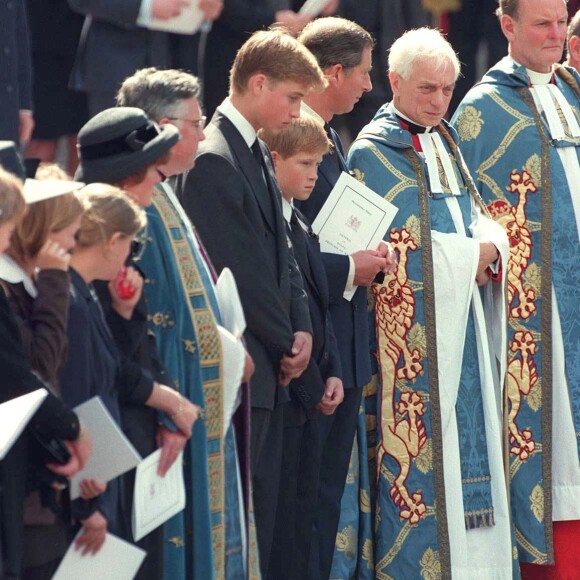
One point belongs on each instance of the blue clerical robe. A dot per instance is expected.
(205, 540)
(420, 420)
(507, 145)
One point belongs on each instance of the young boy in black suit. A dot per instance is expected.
(297, 152)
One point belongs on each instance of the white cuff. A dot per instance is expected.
(350, 287)
(145, 13)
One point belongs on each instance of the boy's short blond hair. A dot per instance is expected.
(280, 57)
(303, 135)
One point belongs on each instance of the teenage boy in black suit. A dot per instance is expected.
(233, 199)
(297, 152)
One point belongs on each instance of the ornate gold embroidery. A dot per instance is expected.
(430, 568)
(417, 339)
(532, 278)
(404, 435)
(177, 541)
(534, 399)
(367, 553)
(359, 175)
(537, 502)
(538, 557)
(424, 461)
(469, 124)
(365, 502)
(346, 542)
(189, 345)
(213, 416)
(207, 336)
(534, 167)
(522, 295)
(522, 376)
(160, 319)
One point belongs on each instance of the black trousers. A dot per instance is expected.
(266, 449)
(297, 497)
(337, 434)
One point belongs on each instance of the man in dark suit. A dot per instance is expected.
(116, 42)
(232, 197)
(343, 50)
(16, 121)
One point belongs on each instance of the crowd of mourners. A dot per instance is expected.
(403, 410)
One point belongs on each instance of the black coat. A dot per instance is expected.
(325, 360)
(53, 420)
(239, 219)
(349, 319)
(113, 47)
(15, 67)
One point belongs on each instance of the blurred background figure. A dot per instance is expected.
(58, 111)
(210, 55)
(573, 42)
(16, 121)
(475, 34)
(386, 21)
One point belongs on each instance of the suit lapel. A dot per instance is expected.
(249, 168)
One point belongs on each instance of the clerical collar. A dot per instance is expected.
(537, 78)
(409, 125)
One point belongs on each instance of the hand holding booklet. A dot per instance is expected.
(156, 498)
(116, 560)
(353, 218)
(113, 454)
(189, 20)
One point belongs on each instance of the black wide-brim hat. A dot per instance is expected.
(118, 143)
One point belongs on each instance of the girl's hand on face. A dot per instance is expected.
(52, 257)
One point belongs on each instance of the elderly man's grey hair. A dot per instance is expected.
(421, 44)
(158, 92)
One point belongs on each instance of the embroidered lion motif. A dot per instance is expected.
(403, 437)
(522, 375)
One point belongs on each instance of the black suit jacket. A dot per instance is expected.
(325, 360)
(349, 319)
(239, 219)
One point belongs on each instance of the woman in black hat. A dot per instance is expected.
(121, 146)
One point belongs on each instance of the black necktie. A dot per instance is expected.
(259, 157)
(299, 239)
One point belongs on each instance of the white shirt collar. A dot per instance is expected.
(397, 112)
(304, 108)
(240, 122)
(287, 210)
(537, 78)
(12, 273)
